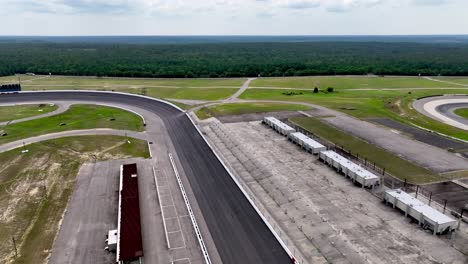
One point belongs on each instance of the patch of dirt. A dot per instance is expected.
(113, 147)
(34, 191)
(396, 107)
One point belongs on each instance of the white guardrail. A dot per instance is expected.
(162, 210)
(191, 214)
(273, 231)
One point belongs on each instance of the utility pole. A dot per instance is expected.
(14, 246)
(24, 148)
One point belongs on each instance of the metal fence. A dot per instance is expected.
(389, 180)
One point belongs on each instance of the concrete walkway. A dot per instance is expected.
(442, 81)
(72, 133)
(244, 87)
(61, 108)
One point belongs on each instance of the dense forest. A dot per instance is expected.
(234, 59)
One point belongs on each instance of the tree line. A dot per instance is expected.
(234, 59)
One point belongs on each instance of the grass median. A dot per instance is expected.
(247, 108)
(463, 112)
(35, 188)
(14, 112)
(76, 118)
(393, 164)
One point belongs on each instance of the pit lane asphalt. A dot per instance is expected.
(237, 230)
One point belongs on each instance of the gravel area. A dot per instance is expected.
(325, 215)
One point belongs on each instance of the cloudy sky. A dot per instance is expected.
(233, 17)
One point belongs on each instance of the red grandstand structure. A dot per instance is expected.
(129, 244)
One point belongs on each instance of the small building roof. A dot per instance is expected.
(112, 237)
(420, 207)
(130, 245)
(355, 168)
(307, 140)
(280, 124)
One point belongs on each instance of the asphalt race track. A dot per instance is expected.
(442, 108)
(238, 231)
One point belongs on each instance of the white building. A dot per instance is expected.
(349, 169)
(426, 216)
(278, 126)
(306, 143)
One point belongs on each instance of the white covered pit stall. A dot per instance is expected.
(349, 169)
(426, 216)
(278, 126)
(306, 143)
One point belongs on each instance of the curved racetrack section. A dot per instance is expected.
(238, 231)
(442, 108)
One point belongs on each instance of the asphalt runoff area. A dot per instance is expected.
(425, 136)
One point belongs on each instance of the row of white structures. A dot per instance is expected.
(350, 169)
(426, 216)
(341, 164)
(278, 126)
(306, 143)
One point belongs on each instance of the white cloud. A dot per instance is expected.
(172, 7)
(233, 16)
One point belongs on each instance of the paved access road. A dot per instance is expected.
(237, 230)
(61, 108)
(71, 133)
(442, 108)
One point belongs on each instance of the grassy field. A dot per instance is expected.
(196, 89)
(14, 79)
(138, 82)
(384, 159)
(461, 80)
(174, 93)
(463, 112)
(324, 82)
(8, 113)
(395, 104)
(77, 117)
(246, 108)
(209, 94)
(181, 105)
(35, 188)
